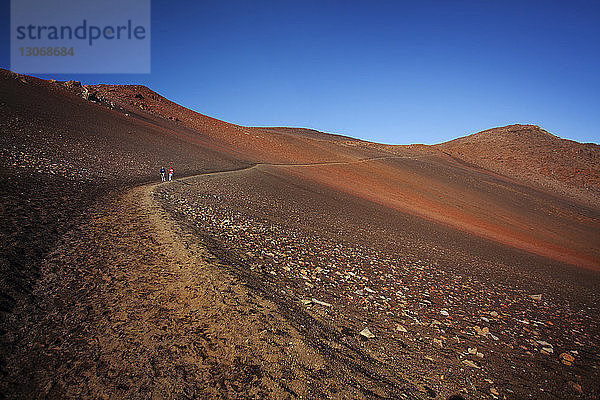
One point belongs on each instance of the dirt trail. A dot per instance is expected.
(132, 306)
(315, 164)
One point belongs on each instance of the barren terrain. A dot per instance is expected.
(286, 263)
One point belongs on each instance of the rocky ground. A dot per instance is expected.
(442, 330)
(168, 291)
(298, 268)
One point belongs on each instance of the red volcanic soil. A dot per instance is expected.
(477, 203)
(474, 263)
(530, 154)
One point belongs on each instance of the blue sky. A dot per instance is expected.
(393, 72)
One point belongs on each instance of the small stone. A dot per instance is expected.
(400, 328)
(494, 391)
(438, 343)
(576, 387)
(470, 363)
(321, 303)
(472, 350)
(367, 333)
(494, 314)
(444, 313)
(566, 359)
(536, 297)
(547, 350)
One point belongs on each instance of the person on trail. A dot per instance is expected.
(170, 173)
(162, 174)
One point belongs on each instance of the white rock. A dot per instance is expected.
(470, 364)
(367, 333)
(321, 303)
(548, 350)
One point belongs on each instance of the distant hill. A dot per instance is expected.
(531, 154)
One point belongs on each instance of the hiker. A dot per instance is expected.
(162, 174)
(170, 173)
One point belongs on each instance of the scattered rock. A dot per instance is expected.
(471, 364)
(72, 84)
(321, 303)
(481, 331)
(367, 333)
(566, 359)
(576, 387)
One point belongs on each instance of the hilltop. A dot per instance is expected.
(533, 155)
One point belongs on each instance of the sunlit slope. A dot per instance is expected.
(472, 201)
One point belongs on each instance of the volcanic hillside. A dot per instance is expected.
(474, 264)
(530, 154)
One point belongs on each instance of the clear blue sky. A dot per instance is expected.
(393, 72)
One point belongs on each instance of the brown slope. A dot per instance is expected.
(64, 146)
(473, 202)
(532, 155)
(276, 145)
(130, 129)
(62, 154)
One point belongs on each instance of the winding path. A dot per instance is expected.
(153, 314)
